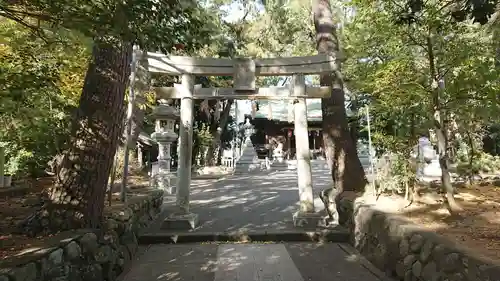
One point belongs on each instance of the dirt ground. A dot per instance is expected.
(477, 227)
(13, 209)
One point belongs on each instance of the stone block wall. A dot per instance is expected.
(88, 255)
(407, 252)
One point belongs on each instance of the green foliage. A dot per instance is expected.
(394, 173)
(202, 139)
(153, 25)
(203, 135)
(388, 64)
(482, 163)
(459, 10)
(41, 92)
(283, 30)
(396, 58)
(39, 88)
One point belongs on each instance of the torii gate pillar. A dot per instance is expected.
(181, 217)
(306, 215)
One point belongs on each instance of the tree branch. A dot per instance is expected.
(442, 8)
(35, 15)
(36, 30)
(414, 40)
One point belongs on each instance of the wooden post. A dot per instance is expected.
(186, 144)
(304, 176)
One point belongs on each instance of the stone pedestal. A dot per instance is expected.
(167, 182)
(164, 135)
(187, 221)
(304, 219)
(248, 162)
(427, 161)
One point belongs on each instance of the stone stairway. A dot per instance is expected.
(248, 161)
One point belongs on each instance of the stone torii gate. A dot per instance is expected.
(244, 72)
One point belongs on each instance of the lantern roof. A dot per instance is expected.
(164, 112)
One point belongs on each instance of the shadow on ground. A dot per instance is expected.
(220, 262)
(247, 203)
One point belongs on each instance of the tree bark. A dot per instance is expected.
(220, 126)
(496, 35)
(138, 115)
(341, 153)
(77, 198)
(472, 153)
(440, 130)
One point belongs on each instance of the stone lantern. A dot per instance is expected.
(165, 117)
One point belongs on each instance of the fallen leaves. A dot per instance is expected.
(478, 227)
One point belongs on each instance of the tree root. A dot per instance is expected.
(410, 202)
(325, 196)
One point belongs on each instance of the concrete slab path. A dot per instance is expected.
(257, 203)
(252, 262)
(261, 202)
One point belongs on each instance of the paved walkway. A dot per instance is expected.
(258, 202)
(251, 262)
(249, 203)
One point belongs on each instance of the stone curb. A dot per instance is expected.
(348, 249)
(287, 236)
(88, 254)
(406, 251)
(210, 177)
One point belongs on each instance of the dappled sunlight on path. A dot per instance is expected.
(258, 261)
(256, 202)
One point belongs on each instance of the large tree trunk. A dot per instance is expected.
(496, 34)
(220, 126)
(440, 129)
(77, 198)
(341, 153)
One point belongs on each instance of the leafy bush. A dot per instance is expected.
(394, 173)
(18, 164)
(482, 163)
(17, 159)
(202, 139)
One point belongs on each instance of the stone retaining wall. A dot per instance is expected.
(88, 255)
(407, 252)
